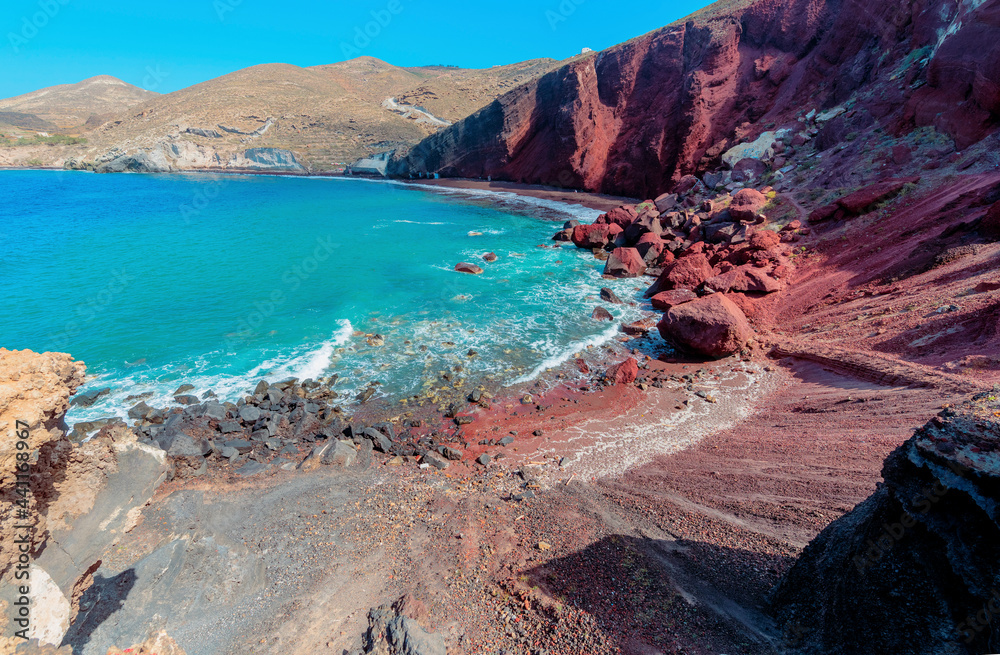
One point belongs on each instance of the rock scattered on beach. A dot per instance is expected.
(712, 326)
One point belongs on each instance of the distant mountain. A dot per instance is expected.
(69, 106)
(326, 115)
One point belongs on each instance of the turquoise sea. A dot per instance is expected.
(219, 281)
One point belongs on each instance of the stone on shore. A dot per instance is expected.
(601, 314)
(607, 295)
(667, 299)
(597, 235)
(624, 373)
(688, 272)
(625, 262)
(712, 326)
(89, 398)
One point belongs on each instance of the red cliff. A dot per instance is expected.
(633, 119)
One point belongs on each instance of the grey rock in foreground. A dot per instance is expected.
(915, 568)
(392, 633)
(182, 586)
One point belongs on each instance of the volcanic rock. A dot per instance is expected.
(623, 373)
(597, 235)
(746, 204)
(745, 278)
(89, 398)
(625, 262)
(667, 299)
(464, 267)
(665, 202)
(922, 551)
(650, 246)
(620, 216)
(749, 171)
(713, 326)
(608, 295)
(688, 272)
(860, 201)
(601, 314)
(391, 632)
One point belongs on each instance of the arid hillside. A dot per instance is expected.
(70, 107)
(283, 116)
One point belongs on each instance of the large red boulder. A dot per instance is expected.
(650, 246)
(746, 204)
(624, 373)
(593, 236)
(667, 299)
(764, 239)
(746, 279)
(688, 272)
(620, 216)
(625, 262)
(712, 326)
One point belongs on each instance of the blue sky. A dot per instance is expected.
(168, 45)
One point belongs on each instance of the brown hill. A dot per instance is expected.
(326, 115)
(67, 107)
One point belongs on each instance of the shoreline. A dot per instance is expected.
(600, 202)
(587, 199)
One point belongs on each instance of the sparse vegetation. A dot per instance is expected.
(56, 140)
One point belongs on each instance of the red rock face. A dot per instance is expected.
(635, 119)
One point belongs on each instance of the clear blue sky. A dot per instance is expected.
(168, 45)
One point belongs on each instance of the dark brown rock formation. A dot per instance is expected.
(915, 568)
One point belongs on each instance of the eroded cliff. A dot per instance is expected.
(65, 503)
(635, 118)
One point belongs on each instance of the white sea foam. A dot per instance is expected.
(312, 364)
(423, 222)
(228, 387)
(565, 354)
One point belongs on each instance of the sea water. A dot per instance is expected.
(220, 281)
